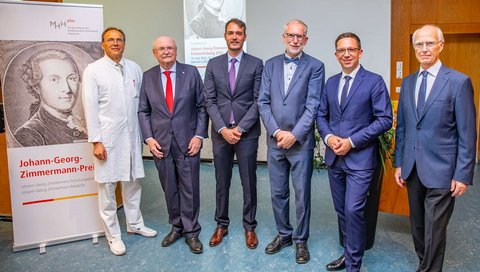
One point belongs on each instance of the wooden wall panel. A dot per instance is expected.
(422, 11)
(458, 11)
(400, 43)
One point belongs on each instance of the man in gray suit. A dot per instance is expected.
(173, 123)
(289, 97)
(435, 145)
(232, 82)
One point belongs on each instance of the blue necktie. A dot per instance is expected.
(294, 60)
(422, 93)
(343, 98)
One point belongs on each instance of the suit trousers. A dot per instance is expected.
(349, 193)
(430, 212)
(180, 179)
(107, 206)
(223, 154)
(282, 163)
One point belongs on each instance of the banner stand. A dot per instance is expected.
(50, 164)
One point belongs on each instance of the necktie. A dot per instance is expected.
(422, 92)
(294, 60)
(169, 91)
(231, 79)
(120, 67)
(343, 99)
(231, 74)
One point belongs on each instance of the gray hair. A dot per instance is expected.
(439, 32)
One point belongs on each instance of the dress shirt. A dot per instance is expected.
(432, 74)
(173, 76)
(237, 67)
(288, 71)
(339, 95)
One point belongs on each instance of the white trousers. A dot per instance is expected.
(107, 206)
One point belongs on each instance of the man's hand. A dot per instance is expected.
(285, 139)
(231, 135)
(194, 146)
(333, 142)
(398, 177)
(99, 151)
(342, 146)
(458, 188)
(155, 148)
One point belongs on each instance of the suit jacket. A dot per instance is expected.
(219, 98)
(367, 114)
(441, 142)
(188, 117)
(296, 110)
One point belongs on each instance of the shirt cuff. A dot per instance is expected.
(148, 139)
(275, 132)
(220, 130)
(326, 139)
(199, 137)
(351, 143)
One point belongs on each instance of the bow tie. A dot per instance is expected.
(294, 60)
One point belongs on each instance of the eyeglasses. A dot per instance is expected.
(163, 49)
(112, 40)
(341, 51)
(292, 36)
(428, 45)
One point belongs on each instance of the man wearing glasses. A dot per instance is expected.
(435, 145)
(110, 95)
(289, 96)
(173, 121)
(354, 110)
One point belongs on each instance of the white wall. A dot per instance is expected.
(143, 20)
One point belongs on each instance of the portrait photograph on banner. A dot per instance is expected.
(204, 26)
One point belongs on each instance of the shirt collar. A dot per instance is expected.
(113, 63)
(433, 70)
(173, 69)
(352, 74)
(299, 55)
(239, 57)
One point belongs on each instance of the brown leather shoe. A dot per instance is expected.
(251, 239)
(217, 236)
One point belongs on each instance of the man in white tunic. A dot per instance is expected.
(111, 86)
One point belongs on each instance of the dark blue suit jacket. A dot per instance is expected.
(367, 114)
(441, 142)
(188, 118)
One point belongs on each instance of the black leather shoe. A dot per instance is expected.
(277, 244)
(194, 244)
(338, 264)
(171, 238)
(302, 255)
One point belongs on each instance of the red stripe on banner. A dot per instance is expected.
(37, 201)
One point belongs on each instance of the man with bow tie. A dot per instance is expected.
(289, 96)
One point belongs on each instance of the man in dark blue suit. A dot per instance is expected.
(232, 82)
(174, 122)
(435, 145)
(289, 95)
(354, 110)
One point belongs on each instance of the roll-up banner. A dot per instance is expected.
(44, 48)
(204, 26)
